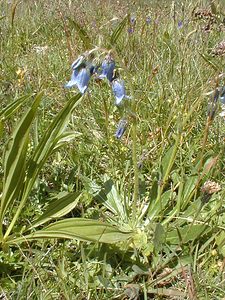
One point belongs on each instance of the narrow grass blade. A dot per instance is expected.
(82, 34)
(13, 11)
(79, 229)
(117, 32)
(209, 62)
(2, 17)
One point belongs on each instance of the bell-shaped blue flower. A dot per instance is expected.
(83, 79)
(80, 78)
(107, 68)
(79, 62)
(73, 80)
(122, 126)
(119, 91)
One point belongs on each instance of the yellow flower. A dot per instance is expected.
(21, 73)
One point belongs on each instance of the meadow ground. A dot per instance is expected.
(104, 197)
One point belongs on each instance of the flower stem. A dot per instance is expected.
(135, 166)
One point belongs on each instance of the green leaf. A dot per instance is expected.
(117, 32)
(66, 138)
(166, 161)
(12, 107)
(209, 62)
(2, 17)
(114, 202)
(48, 142)
(109, 196)
(1, 129)
(157, 207)
(43, 151)
(59, 207)
(15, 157)
(159, 237)
(186, 233)
(82, 34)
(220, 241)
(188, 191)
(79, 229)
(213, 7)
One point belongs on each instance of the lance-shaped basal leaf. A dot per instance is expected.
(15, 157)
(59, 207)
(80, 229)
(66, 138)
(187, 233)
(42, 152)
(12, 107)
(48, 142)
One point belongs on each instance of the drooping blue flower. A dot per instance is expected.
(122, 126)
(119, 91)
(73, 80)
(82, 69)
(79, 62)
(83, 79)
(107, 68)
(80, 78)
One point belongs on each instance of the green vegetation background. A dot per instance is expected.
(165, 227)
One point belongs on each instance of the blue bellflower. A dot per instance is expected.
(81, 74)
(73, 80)
(80, 79)
(107, 68)
(119, 91)
(78, 62)
(122, 126)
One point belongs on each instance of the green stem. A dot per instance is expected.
(153, 210)
(204, 142)
(131, 112)
(135, 166)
